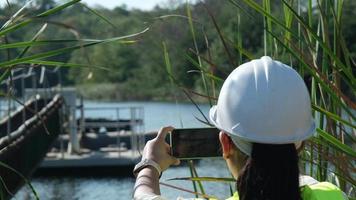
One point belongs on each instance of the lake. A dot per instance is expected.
(156, 115)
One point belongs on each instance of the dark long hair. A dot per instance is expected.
(270, 173)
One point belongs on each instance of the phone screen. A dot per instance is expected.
(195, 143)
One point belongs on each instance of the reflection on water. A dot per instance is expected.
(79, 188)
(121, 188)
(156, 115)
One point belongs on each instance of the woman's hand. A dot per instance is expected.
(147, 181)
(159, 151)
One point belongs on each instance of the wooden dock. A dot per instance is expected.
(113, 152)
(106, 162)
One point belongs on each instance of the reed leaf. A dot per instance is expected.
(23, 177)
(192, 175)
(58, 8)
(64, 64)
(35, 37)
(14, 16)
(262, 11)
(317, 77)
(196, 175)
(333, 116)
(168, 63)
(54, 42)
(207, 179)
(325, 47)
(64, 50)
(23, 52)
(222, 39)
(336, 143)
(24, 23)
(99, 15)
(37, 43)
(192, 30)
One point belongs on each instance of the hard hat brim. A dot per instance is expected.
(214, 121)
(244, 146)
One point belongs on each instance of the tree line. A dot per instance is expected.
(136, 69)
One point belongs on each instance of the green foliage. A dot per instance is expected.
(318, 50)
(205, 41)
(139, 66)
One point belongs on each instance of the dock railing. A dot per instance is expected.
(115, 119)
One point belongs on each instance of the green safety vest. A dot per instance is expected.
(317, 191)
(322, 190)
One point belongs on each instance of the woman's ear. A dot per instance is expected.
(226, 144)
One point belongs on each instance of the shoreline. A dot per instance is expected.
(113, 93)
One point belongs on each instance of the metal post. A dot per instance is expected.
(61, 146)
(34, 87)
(142, 129)
(118, 131)
(8, 110)
(73, 130)
(82, 118)
(133, 131)
(23, 95)
(61, 132)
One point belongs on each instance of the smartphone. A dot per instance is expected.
(195, 143)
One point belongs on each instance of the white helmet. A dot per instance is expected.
(264, 101)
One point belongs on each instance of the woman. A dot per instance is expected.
(264, 114)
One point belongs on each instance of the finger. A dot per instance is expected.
(168, 149)
(175, 160)
(163, 132)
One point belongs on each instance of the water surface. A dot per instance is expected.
(157, 114)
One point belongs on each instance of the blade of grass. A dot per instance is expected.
(325, 47)
(41, 15)
(58, 8)
(333, 116)
(168, 63)
(192, 30)
(203, 122)
(336, 143)
(192, 175)
(316, 76)
(329, 170)
(198, 181)
(218, 30)
(98, 14)
(63, 64)
(6, 188)
(260, 9)
(170, 72)
(52, 42)
(176, 82)
(12, 18)
(65, 50)
(24, 178)
(42, 29)
(207, 178)
(195, 104)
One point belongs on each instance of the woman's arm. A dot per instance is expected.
(147, 182)
(157, 150)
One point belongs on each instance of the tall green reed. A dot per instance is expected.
(25, 59)
(320, 54)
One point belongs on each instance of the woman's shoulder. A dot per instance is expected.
(312, 189)
(159, 197)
